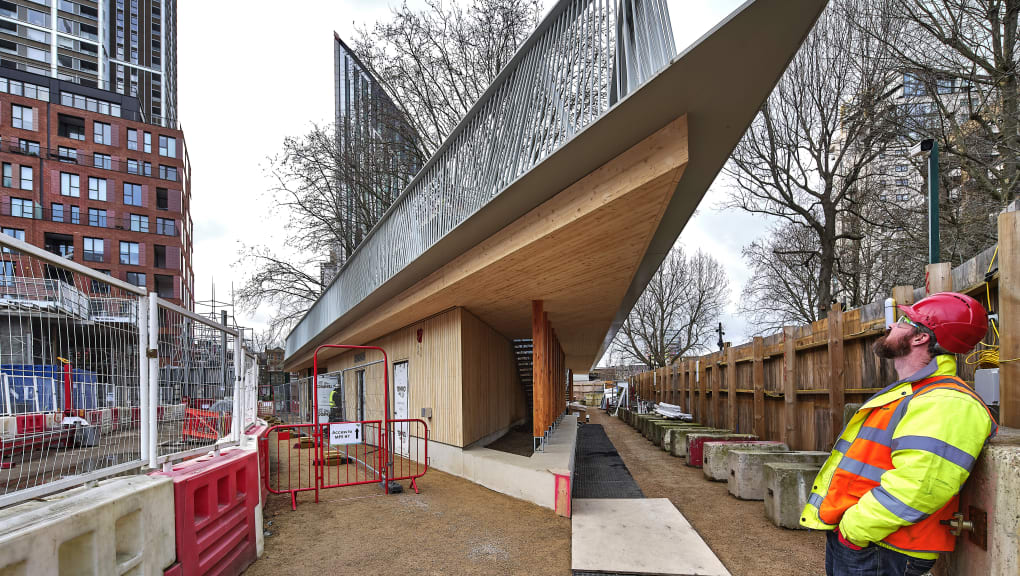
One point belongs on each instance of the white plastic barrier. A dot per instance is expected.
(121, 526)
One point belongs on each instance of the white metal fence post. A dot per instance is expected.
(237, 421)
(143, 375)
(153, 381)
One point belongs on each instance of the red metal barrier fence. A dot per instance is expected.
(349, 454)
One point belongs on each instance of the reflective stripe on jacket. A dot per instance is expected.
(332, 398)
(899, 464)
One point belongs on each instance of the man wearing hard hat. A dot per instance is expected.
(890, 488)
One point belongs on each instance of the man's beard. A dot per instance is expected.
(891, 350)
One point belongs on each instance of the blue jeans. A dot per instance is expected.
(870, 561)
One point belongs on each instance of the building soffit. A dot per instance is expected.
(719, 83)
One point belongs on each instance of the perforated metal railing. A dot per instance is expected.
(70, 386)
(583, 58)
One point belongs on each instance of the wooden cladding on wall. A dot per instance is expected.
(493, 397)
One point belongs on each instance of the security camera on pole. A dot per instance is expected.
(930, 148)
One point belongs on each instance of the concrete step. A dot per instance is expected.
(715, 458)
(637, 536)
(787, 487)
(747, 478)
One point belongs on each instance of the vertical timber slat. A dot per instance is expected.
(837, 398)
(539, 385)
(758, 352)
(1009, 319)
(938, 278)
(790, 386)
(716, 421)
(731, 386)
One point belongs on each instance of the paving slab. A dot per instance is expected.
(638, 536)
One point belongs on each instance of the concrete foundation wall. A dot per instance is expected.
(532, 479)
(121, 526)
(993, 488)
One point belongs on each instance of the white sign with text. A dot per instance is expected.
(345, 433)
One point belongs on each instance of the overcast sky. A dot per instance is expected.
(250, 77)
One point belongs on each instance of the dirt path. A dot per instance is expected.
(736, 530)
(452, 527)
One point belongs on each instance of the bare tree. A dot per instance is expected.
(677, 311)
(962, 56)
(437, 62)
(783, 287)
(809, 157)
(335, 182)
(332, 198)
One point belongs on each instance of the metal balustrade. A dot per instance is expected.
(584, 57)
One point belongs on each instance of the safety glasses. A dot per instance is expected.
(907, 322)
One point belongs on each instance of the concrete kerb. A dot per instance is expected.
(747, 480)
(787, 487)
(715, 460)
(678, 440)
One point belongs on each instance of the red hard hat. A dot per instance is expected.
(958, 321)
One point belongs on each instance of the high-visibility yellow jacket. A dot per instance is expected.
(333, 398)
(898, 466)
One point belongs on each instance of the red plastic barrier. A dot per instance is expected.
(696, 447)
(214, 505)
(31, 423)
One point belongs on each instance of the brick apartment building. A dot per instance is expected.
(84, 176)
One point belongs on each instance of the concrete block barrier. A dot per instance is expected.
(653, 426)
(663, 434)
(747, 479)
(648, 426)
(715, 455)
(787, 487)
(120, 526)
(696, 444)
(678, 443)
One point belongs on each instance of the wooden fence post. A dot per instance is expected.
(690, 389)
(938, 278)
(758, 352)
(904, 295)
(715, 391)
(731, 386)
(702, 389)
(1009, 319)
(837, 398)
(790, 385)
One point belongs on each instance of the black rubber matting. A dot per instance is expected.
(599, 472)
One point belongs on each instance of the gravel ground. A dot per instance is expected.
(452, 527)
(737, 531)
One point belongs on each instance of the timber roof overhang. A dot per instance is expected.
(719, 83)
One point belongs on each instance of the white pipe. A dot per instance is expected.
(153, 381)
(143, 376)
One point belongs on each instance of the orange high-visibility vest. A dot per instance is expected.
(870, 455)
